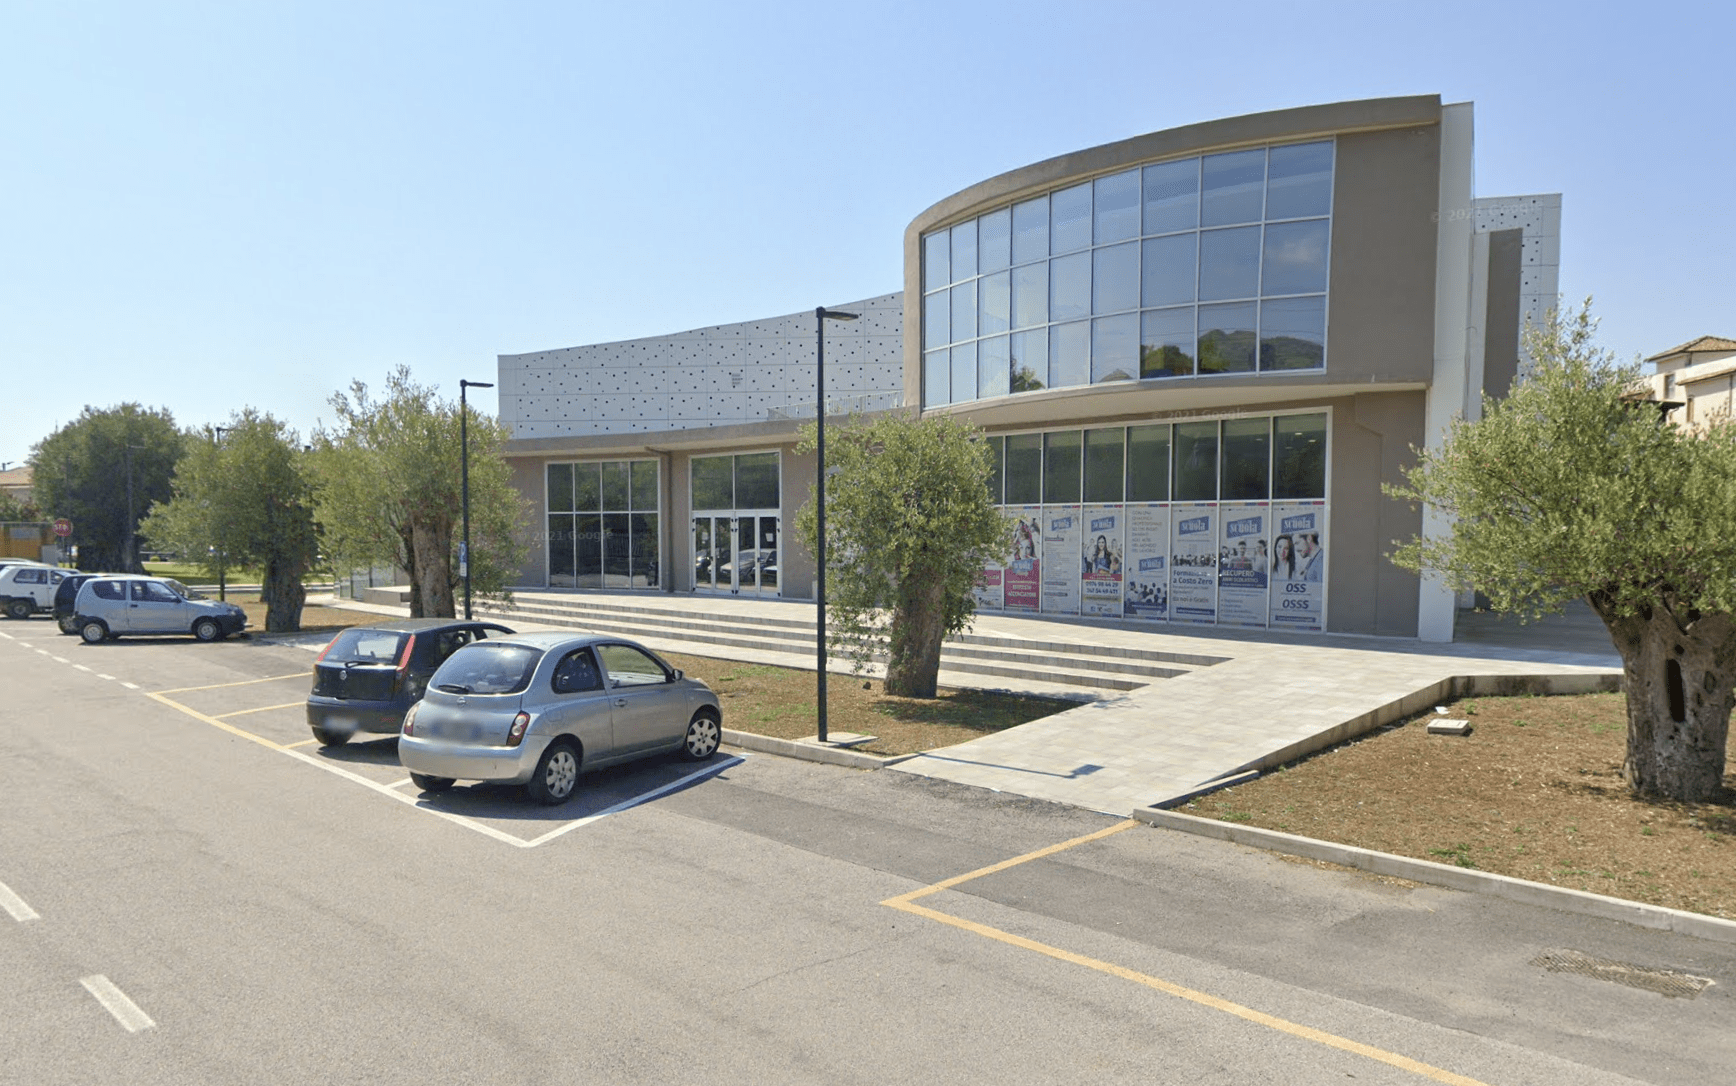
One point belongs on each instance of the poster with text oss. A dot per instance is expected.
(1147, 562)
(1193, 564)
(1299, 565)
(1242, 564)
(1101, 565)
(1022, 583)
(1061, 532)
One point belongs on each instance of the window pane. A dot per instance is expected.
(756, 481)
(713, 482)
(1172, 196)
(994, 305)
(964, 260)
(1070, 287)
(617, 551)
(1115, 348)
(935, 262)
(1104, 454)
(1229, 264)
(1232, 187)
(963, 311)
(1115, 278)
(998, 468)
(1031, 295)
(1226, 338)
(560, 488)
(1025, 469)
(1295, 258)
(1031, 230)
(1030, 360)
(1070, 354)
(1246, 459)
(561, 552)
(936, 378)
(645, 548)
(645, 495)
(1166, 342)
(994, 372)
(1293, 334)
(586, 490)
(1070, 219)
(995, 240)
(1299, 456)
(1061, 467)
(964, 372)
(1299, 181)
(588, 551)
(1148, 463)
(1169, 269)
(615, 485)
(1116, 205)
(1196, 461)
(936, 320)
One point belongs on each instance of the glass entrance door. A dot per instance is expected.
(737, 553)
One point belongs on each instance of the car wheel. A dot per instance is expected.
(18, 608)
(331, 738)
(703, 735)
(68, 624)
(206, 629)
(93, 632)
(431, 784)
(556, 776)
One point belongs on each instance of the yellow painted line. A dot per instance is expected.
(906, 903)
(303, 743)
(213, 721)
(244, 682)
(262, 709)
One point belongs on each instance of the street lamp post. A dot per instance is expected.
(464, 471)
(222, 554)
(821, 316)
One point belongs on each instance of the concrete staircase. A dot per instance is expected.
(1047, 665)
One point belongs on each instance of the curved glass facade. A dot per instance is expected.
(1199, 266)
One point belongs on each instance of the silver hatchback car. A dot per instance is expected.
(540, 709)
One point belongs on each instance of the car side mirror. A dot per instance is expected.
(676, 676)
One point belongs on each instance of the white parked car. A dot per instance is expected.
(129, 604)
(28, 587)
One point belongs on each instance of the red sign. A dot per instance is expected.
(63, 527)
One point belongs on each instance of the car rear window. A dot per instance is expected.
(484, 668)
(110, 590)
(365, 646)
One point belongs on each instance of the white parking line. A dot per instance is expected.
(399, 784)
(636, 800)
(81, 667)
(16, 905)
(115, 1001)
(110, 678)
(60, 659)
(130, 686)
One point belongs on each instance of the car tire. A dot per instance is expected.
(431, 784)
(68, 624)
(329, 737)
(206, 629)
(18, 609)
(94, 632)
(704, 734)
(557, 774)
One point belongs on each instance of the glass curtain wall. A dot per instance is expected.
(737, 527)
(603, 524)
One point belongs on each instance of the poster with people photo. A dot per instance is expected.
(1243, 565)
(1061, 532)
(1193, 572)
(987, 589)
(1022, 583)
(1147, 562)
(1299, 565)
(1100, 570)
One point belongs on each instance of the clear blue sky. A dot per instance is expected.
(205, 206)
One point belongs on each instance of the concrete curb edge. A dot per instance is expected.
(811, 752)
(1581, 902)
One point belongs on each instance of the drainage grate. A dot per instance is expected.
(1665, 982)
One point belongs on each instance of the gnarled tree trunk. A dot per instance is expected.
(283, 595)
(432, 576)
(1679, 678)
(918, 628)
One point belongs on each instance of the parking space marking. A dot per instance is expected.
(303, 743)
(264, 709)
(399, 784)
(110, 678)
(634, 801)
(225, 686)
(17, 906)
(81, 667)
(907, 903)
(130, 686)
(115, 1001)
(59, 659)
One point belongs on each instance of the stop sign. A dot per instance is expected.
(62, 527)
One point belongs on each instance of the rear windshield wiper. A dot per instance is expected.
(452, 688)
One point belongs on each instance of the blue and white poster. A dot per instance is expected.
(1061, 533)
(1193, 564)
(1298, 566)
(1147, 562)
(1100, 567)
(1243, 564)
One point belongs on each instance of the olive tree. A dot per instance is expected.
(909, 527)
(103, 471)
(1575, 487)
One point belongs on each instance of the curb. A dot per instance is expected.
(810, 752)
(1581, 902)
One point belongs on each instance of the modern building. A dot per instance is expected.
(1197, 353)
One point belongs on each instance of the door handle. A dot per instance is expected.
(621, 702)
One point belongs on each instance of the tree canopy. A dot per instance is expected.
(1572, 487)
(909, 528)
(82, 470)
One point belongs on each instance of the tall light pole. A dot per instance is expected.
(217, 433)
(129, 549)
(464, 442)
(821, 316)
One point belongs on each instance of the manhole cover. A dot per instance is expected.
(1665, 982)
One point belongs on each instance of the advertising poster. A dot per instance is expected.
(1193, 563)
(1061, 534)
(1299, 565)
(988, 589)
(1100, 570)
(1147, 562)
(1022, 582)
(1243, 564)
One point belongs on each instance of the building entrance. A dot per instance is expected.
(737, 551)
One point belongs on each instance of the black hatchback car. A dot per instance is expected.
(369, 676)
